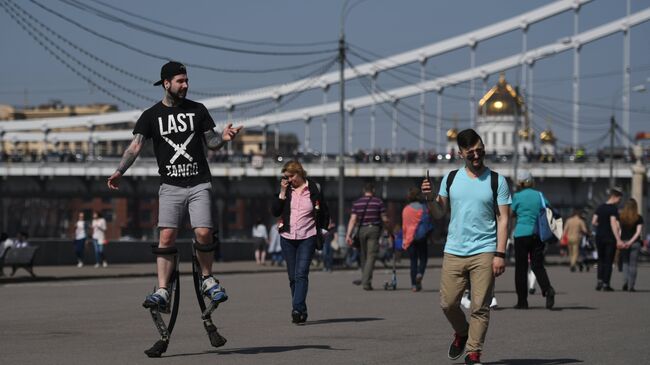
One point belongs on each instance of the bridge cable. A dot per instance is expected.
(167, 58)
(14, 16)
(169, 36)
(228, 39)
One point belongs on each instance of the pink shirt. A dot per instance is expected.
(301, 219)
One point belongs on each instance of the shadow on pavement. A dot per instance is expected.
(535, 362)
(343, 320)
(555, 309)
(259, 350)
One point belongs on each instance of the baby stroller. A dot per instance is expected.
(588, 252)
(396, 249)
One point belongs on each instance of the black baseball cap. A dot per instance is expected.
(169, 70)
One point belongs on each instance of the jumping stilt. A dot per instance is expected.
(216, 293)
(171, 306)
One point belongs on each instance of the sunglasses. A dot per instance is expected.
(476, 152)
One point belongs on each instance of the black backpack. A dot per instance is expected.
(494, 183)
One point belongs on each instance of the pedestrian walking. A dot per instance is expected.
(80, 237)
(261, 237)
(329, 237)
(631, 230)
(275, 250)
(526, 204)
(608, 236)
(417, 227)
(99, 238)
(303, 211)
(575, 231)
(180, 129)
(369, 213)
(474, 254)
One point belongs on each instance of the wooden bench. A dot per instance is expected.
(22, 257)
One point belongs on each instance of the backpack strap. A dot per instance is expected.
(450, 180)
(494, 183)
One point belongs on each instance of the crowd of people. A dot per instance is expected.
(484, 217)
(477, 200)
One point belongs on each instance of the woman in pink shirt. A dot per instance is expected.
(303, 213)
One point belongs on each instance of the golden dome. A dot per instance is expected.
(525, 133)
(502, 99)
(547, 136)
(452, 134)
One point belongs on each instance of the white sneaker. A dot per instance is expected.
(465, 302)
(104, 264)
(213, 290)
(96, 265)
(494, 303)
(208, 284)
(80, 264)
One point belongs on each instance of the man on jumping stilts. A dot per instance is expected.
(179, 128)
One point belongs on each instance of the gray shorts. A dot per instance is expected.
(175, 201)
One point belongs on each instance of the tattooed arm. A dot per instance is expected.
(128, 158)
(214, 141)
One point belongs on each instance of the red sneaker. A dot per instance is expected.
(473, 358)
(457, 347)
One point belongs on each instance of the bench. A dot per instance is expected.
(22, 257)
(3, 251)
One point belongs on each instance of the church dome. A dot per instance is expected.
(525, 134)
(502, 99)
(452, 134)
(547, 136)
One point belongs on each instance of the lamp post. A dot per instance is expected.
(612, 130)
(341, 200)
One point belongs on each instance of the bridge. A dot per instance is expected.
(572, 181)
(53, 131)
(147, 168)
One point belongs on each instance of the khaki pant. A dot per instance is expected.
(369, 237)
(457, 273)
(574, 250)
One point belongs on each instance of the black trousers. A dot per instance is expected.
(606, 252)
(525, 247)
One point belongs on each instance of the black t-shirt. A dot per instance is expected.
(604, 229)
(177, 135)
(628, 231)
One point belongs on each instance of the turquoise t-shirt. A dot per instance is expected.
(526, 205)
(473, 226)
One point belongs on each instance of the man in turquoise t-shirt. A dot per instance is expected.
(476, 244)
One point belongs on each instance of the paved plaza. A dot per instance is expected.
(94, 316)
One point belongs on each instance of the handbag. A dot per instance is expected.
(549, 225)
(354, 235)
(564, 241)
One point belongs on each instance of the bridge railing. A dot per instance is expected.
(375, 157)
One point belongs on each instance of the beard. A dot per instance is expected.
(178, 95)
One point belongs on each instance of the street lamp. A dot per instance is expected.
(345, 11)
(612, 129)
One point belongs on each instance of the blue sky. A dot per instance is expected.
(375, 27)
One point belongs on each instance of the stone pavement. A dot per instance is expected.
(67, 320)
